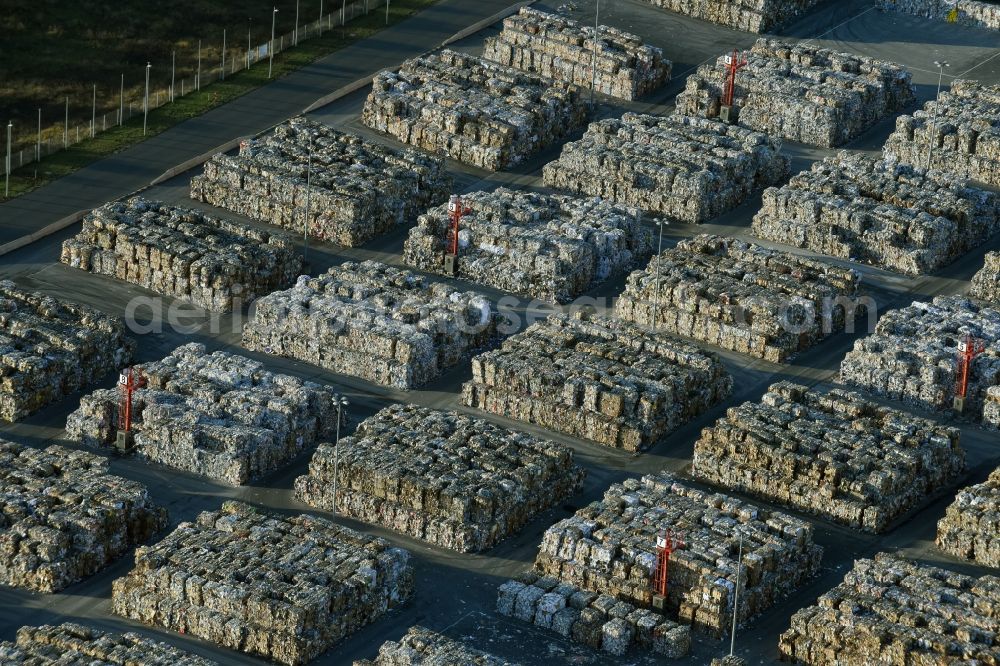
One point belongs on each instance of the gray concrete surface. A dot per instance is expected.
(456, 593)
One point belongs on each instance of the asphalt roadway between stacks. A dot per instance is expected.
(456, 593)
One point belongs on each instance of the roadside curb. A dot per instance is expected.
(479, 25)
(48, 230)
(195, 161)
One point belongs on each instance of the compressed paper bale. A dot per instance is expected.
(291, 586)
(960, 130)
(835, 454)
(423, 647)
(913, 354)
(802, 92)
(71, 644)
(357, 189)
(561, 49)
(960, 12)
(749, 15)
(597, 378)
(740, 296)
(383, 324)
(50, 348)
(63, 517)
(211, 262)
(891, 215)
(471, 109)
(986, 283)
(991, 408)
(568, 610)
(729, 660)
(220, 415)
(542, 245)
(970, 528)
(689, 169)
(892, 611)
(609, 547)
(453, 480)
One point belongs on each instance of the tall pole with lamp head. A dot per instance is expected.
(145, 104)
(270, 47)
(593, 59)
(305, 222)
(341, 403)
(6, 186)
(736, 596)
(932, 129)
(656, 286)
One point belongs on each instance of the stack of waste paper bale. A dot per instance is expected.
(383, 324)
(220, 415)
(541, 245)
(957, 132)
(913, 355)
(423, 647)
(970, 528)
(976, 13)
(748, 15)
(892, 610)
(282, 588)
(599, 379)
(453, 480)
(802, 92)
(991, 410)
(616, 63)
(71, 643)
(473, 110)
(599, 621)
(891, 215)
(184, 253)
(65, 517)
(740, 296)
(986, 283)
(313, 179)
(687, 169)
(50, 348)
(835, 454)
(610, 548)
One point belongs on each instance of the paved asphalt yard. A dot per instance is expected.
(456, 593)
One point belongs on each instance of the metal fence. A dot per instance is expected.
(25, 151)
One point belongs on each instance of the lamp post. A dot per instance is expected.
(305, 222)
(341, 403)
(387, 12)
(145, 104)
(593, 63)
(656, 287)
(222, 74)
(270, 47)
(933, 127)
(6, 185)
(295, 33)
(249, 27)
(736, 596)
